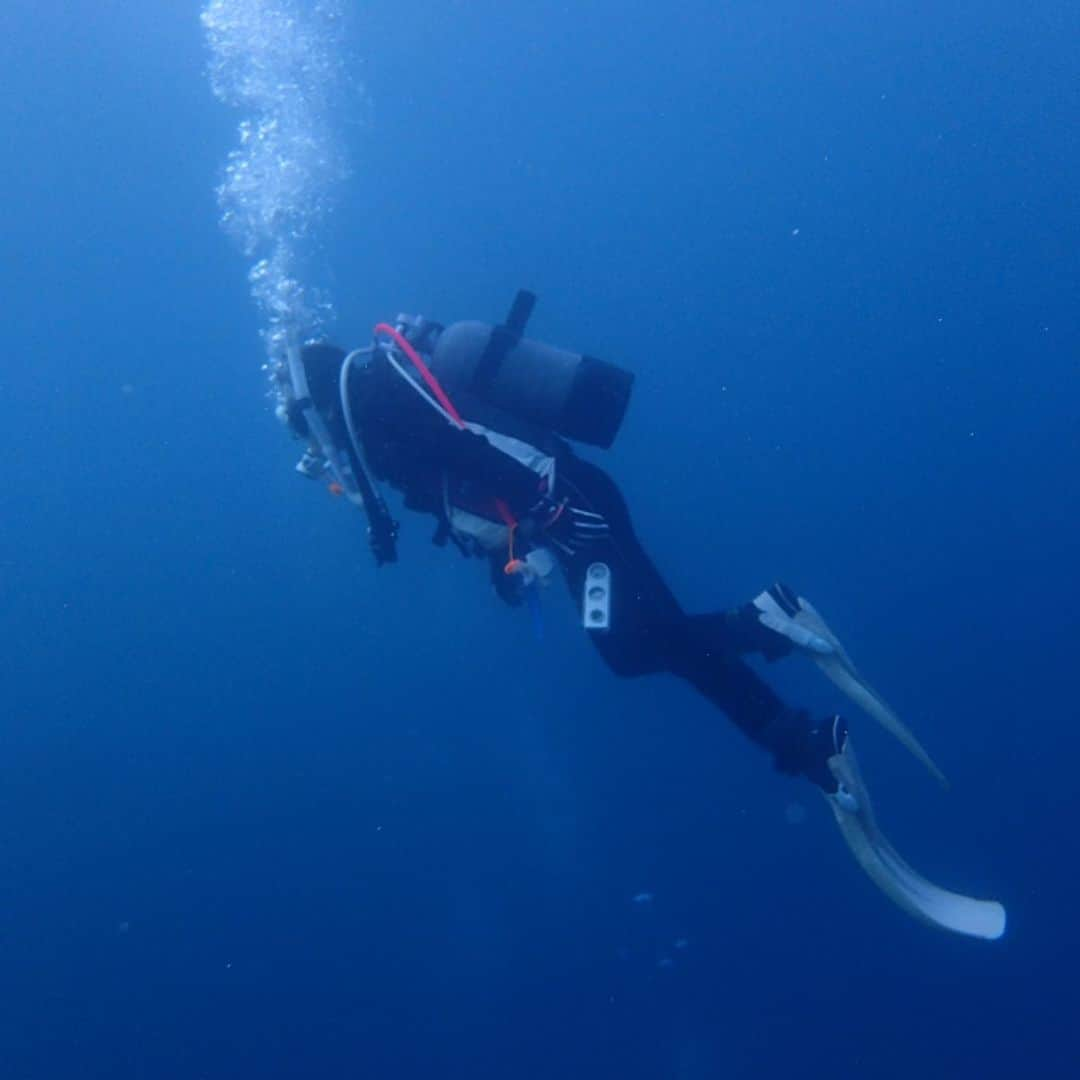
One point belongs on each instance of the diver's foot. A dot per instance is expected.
(825, 746)
(794, 619)
(783, 612)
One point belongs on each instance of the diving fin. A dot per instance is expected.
(782, 611)
(908, 889)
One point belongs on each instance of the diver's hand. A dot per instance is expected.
(573, 529)
(542, 516)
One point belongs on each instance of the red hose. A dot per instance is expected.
(425, 371)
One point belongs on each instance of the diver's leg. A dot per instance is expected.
(799, 744)
(769, 625)
(649, 632)
(738, 632)
(595, 526)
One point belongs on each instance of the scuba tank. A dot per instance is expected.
(573, 395)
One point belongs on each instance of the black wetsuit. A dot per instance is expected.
(408, 444)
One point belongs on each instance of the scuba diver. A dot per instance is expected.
(472, 423)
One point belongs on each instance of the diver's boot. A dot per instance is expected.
(779, 608)
(826, 743)
(850, 803)
(783, 611)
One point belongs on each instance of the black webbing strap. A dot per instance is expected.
(504, 338)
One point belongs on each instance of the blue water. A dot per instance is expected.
(268, 812)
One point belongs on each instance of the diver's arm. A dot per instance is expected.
(468, 454)
(395, 418)
(432, 438)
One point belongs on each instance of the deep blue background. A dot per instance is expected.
(267, 813)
